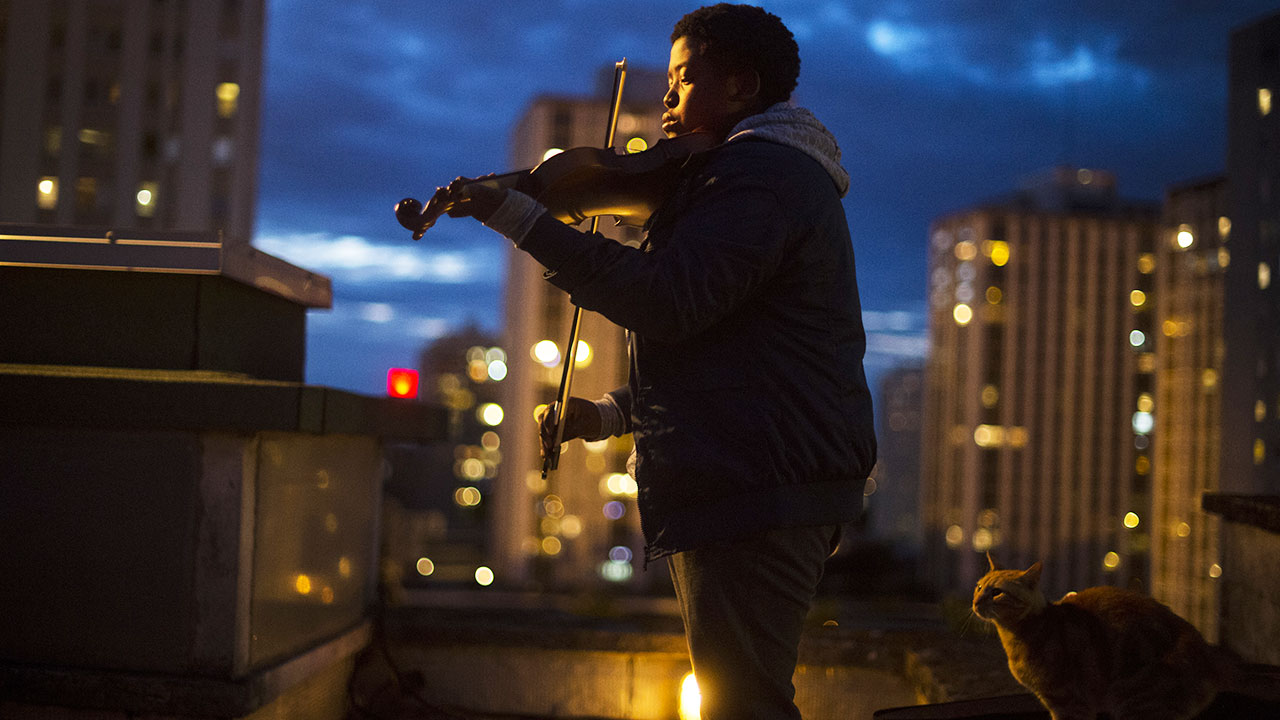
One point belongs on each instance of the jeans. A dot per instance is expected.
(744, 605)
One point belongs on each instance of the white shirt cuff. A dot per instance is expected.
(514, 218)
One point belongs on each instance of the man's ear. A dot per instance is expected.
(744, 87)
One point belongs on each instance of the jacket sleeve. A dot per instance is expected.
(622, 398)
(725, 245)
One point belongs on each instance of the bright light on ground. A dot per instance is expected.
(690, 699)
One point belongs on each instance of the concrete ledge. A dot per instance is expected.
(137, 399)
(39, 692)
(522, 662)
(1260, 511)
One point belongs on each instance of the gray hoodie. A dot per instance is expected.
(787, 124)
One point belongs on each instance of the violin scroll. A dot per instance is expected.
(409, 213)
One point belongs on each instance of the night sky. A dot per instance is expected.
(936, 105)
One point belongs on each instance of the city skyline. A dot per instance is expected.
(935, 108)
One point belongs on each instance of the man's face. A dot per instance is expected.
(698, 95)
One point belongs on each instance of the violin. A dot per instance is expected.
(580, 183)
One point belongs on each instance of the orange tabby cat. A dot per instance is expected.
(1099, 650)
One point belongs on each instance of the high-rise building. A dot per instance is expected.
(131, 114)
(893, 506)
(579, 525)
(1190, 258)
(1250, 461)
(1034, 444)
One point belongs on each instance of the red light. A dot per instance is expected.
(402, 383)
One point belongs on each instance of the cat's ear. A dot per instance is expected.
(1031, 577)
(992, 561)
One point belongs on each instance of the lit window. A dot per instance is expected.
(47, 193)
(1224, 257)
(1224, 227)
(963, 314)
(1182, 530)
(89, 136)
(1259, 451)
(1143, 422)
(1146, 403)
(1185, 238)
(582, 357)
(466, 496)
(228, 97)
(1264, 276)
(545, 353)
(424, 566)
(484, 576)
(1111, 561)
(1137, 298)
(146, 199)
(988, 436)
(550, 153)
(966, 250)
(1259, 411)
(1137, 338)
(490, 414)
(990, 396)
(955, 536)
(497, 370)
(1146, 263)
(637, 144)
(994, 295)
(1131, 520)
(1215, 570)
(998, 252)
(1264, 101)
(1017, 436)
(1084, 176)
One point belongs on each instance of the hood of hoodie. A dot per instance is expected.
(787, 124)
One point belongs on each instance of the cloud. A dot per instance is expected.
(882, 346)
(895, 336)
(355, 259)
(1050, 65)
(1010, 57)
(380, 322)
(897, 41)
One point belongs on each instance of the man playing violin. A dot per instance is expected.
(747, 399)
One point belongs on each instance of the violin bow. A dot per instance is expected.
(552, 460)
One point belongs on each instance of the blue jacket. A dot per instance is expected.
(747, 398)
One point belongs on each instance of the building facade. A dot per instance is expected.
(579, 525)
(1035, 445)
(131, 114)
(893, 505)
(1191, 258)
(1250, 461)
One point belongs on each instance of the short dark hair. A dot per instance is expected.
(737, 37)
